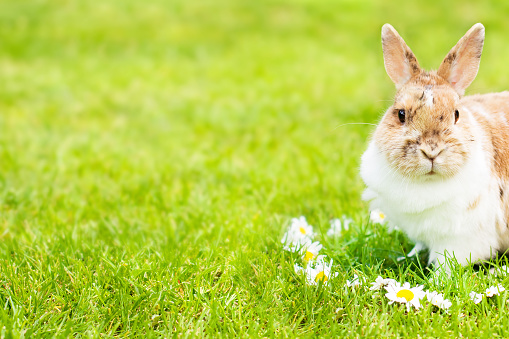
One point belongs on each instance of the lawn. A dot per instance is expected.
(154, 153)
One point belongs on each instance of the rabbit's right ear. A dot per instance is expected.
(400, 63)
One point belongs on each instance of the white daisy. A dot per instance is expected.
(405, 295)
(323, 270)
(494, 290)
(346, 223)
(320, 271)
(438, 300)
(310, 250)
(335, 228)
(301, 226)
(356, 281)
(381, 282)
(298, 269)
(298, 233)
(503, 270)
(378, 216)
(293, 248)
(294, 243)
(338, 225)
(476, 297)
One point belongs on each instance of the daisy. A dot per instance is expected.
(503, 270)
(295, 246)
(476, 297)
(356, 281)
(438, 300)
(298, 269)
(378, 216)
(301, 226)
(405, 295)
(346, 223)
(298, 233)
(494, 290)
(381, 282)
(294, 242)
(311, 250)
(338, 225)
(321, 271)
(307, 248)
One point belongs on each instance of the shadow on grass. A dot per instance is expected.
(372, 248)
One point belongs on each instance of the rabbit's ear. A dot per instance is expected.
(460, 66)
(400, 63)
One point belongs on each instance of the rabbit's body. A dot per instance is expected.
(438, 163)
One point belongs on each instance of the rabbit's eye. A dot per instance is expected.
(456, 116)
(401, 115)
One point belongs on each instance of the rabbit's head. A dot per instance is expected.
(426, 134)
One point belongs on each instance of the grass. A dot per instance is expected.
(153, 154)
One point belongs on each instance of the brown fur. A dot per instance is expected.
(496, 127)
(427, 128)
(495, 124)
(463, 58)
(474, 203)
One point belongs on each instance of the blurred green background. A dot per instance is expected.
(168, 133)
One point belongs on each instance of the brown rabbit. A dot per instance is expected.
(438, 162)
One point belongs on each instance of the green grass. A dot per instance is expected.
(153, 153)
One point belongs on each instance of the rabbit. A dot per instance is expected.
(437, 163)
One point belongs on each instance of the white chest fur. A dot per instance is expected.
(458, 215)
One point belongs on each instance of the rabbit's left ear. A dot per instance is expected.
(461, 64)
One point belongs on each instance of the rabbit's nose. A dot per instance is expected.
(431, 154)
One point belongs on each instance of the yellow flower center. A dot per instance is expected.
(302, 230)
(407, 294)
(308, 256)
(382, 216)
(321, 276)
